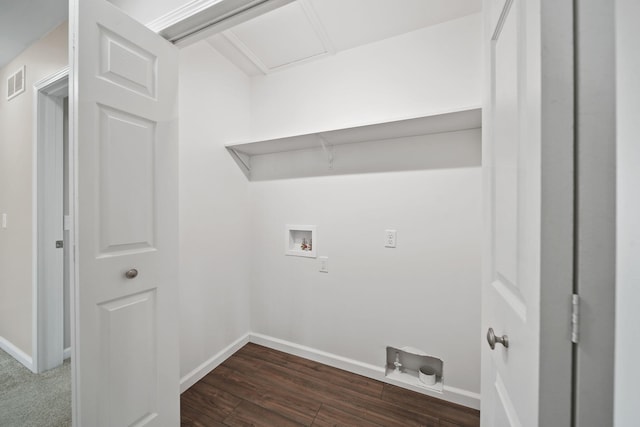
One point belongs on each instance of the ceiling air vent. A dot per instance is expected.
(16, 83)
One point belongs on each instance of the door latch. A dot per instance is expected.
(59, 244)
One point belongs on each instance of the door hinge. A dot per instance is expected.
(575, 318)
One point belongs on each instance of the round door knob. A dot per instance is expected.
(131, 274)
(492, 339)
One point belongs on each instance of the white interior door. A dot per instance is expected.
(49, 307)
(50, 335)
(528, 190)
(124, 115)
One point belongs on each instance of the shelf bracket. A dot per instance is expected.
(241, 158)
(328, 150)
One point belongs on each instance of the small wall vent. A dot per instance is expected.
(16, 83)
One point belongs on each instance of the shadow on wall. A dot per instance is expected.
(461, 149)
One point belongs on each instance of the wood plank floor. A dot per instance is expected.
(258, 386)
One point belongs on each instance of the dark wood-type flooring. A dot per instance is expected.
(258, 386)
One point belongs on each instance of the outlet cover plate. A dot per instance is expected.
(390, 237)
(324, 264)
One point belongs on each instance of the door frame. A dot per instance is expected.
(595, 256)
(48, 304)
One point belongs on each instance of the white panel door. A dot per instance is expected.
(510, 291)
(528, 240)
(50, 304)
(124, 106)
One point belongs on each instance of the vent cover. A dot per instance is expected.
(16, 83)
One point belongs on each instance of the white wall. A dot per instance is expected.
(45, 57)
(430, 70)
(214, 206)
(627, 375)
(426, 292)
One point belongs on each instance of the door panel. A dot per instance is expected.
(511, 280)
(505, 153)
(130, 393)
(494, 8)
(528, 190)
(127, 183)
(126, 64)
(124, 103)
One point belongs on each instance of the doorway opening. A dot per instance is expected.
(51, 256)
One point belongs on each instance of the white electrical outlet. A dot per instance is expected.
(4, 220)
(390, 238)
(324, 264)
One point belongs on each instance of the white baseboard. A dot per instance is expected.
(320, 356)
(66, 353)
(198, 373)
(16, 353)
(450, 394)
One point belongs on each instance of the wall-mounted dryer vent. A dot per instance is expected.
(16, 83)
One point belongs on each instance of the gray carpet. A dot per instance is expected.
(34, 400)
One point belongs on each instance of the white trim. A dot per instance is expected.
(202, 18)
(464, 396)
(66, 353)
(177, 15)
(201, 371)
(54, 85)
(320, 356)
(450, 394)
(74, 306)
(51, 79)
(16, 353)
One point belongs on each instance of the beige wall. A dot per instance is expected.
(43, 58)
